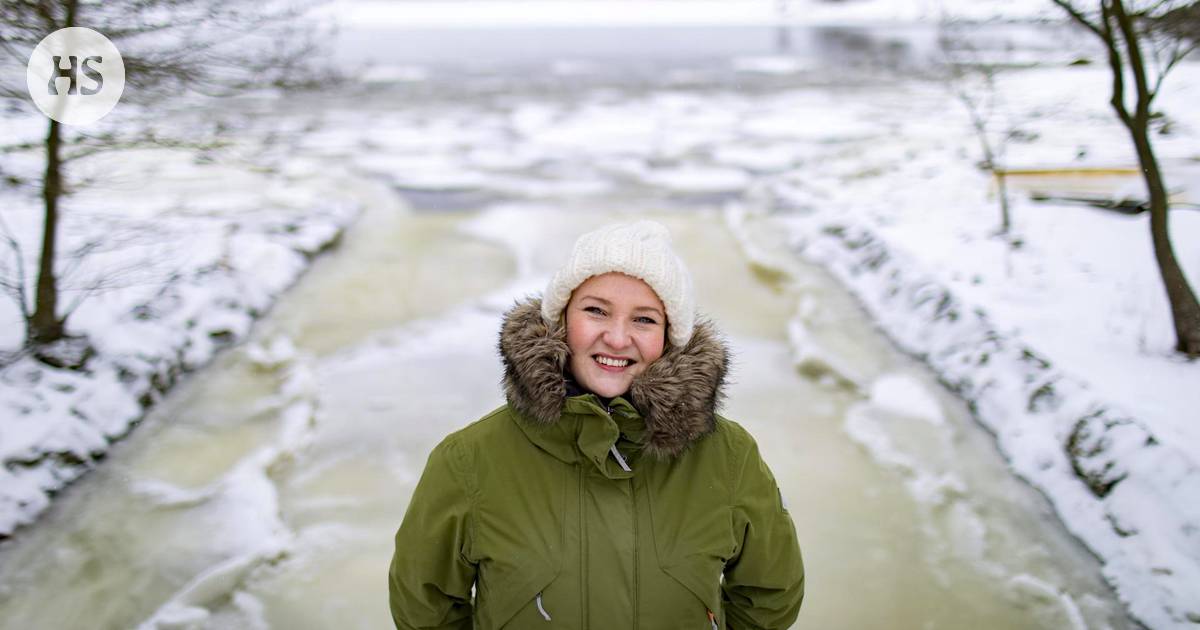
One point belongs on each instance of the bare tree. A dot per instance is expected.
(971, 78)
(211, 48)
(1145, 41)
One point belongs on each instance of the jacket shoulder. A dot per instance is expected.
(492, 426)
(733, 437)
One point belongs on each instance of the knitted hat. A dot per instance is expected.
(641, 249)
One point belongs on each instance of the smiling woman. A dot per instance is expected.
(607, 492)
(615, 328)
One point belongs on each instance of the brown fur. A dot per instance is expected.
(678, 394)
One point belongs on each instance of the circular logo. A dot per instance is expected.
(75, 76)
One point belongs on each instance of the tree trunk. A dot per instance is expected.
(1002, 186)
(1185, 310)
(45, 325)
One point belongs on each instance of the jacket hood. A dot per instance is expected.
(677, 395)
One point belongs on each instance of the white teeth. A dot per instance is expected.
(612, 362)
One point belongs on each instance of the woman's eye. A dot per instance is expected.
(593, 309)
(646, 320)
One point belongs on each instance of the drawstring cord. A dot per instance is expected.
(545, 614)
(620, 460)
(613, 448)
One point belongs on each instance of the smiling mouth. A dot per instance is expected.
(612, 363)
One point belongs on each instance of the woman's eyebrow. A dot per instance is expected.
(608, 303)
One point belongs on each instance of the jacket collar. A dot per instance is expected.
(673, 402)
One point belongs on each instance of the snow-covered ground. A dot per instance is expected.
(186, 256)
(1064, 344)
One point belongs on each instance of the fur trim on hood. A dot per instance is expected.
(677, 395)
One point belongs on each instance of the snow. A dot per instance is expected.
(223, 259)
(771, 64)
(901, 394)
(757, 159)
(1062, 345)
(697, 179)
(812, 357)
(247, 495)
(1030, 584)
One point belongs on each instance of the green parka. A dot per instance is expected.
(559, 511)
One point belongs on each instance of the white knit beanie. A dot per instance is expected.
(641, 249)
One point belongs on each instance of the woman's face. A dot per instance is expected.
(616, 326)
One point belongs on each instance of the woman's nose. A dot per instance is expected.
(617, 336)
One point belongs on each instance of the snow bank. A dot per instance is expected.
(59, 422)
(1062, 345)
(1133, 498)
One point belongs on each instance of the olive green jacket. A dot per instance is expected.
(649, 512)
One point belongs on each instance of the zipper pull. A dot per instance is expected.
(620, 460)
(713, 620)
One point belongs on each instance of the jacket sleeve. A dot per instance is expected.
(429, 584)
(764, 580)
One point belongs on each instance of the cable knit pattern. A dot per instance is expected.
(641, 249)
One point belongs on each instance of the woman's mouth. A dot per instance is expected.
(612, 364)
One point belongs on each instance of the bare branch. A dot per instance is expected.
(1079, 17)
(82, 296)
(77, 257)
(6, 43)
(973, 82)
(112, 278)
(16, 288)
(23, 146)
(169, 47)
(149, 142)
(1115, 65)
(1178, 53)
(1134, 49)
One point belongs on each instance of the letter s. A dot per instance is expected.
(93, 74)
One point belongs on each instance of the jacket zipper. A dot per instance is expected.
(636, 586)
(583, 593)
(633, 499)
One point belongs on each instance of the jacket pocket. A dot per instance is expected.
(513, 595)
(701, 576)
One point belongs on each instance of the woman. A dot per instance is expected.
(607, 492)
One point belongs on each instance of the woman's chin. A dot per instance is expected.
(606, 386)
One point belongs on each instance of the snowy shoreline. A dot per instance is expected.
(1128, 495)
(61, 422)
